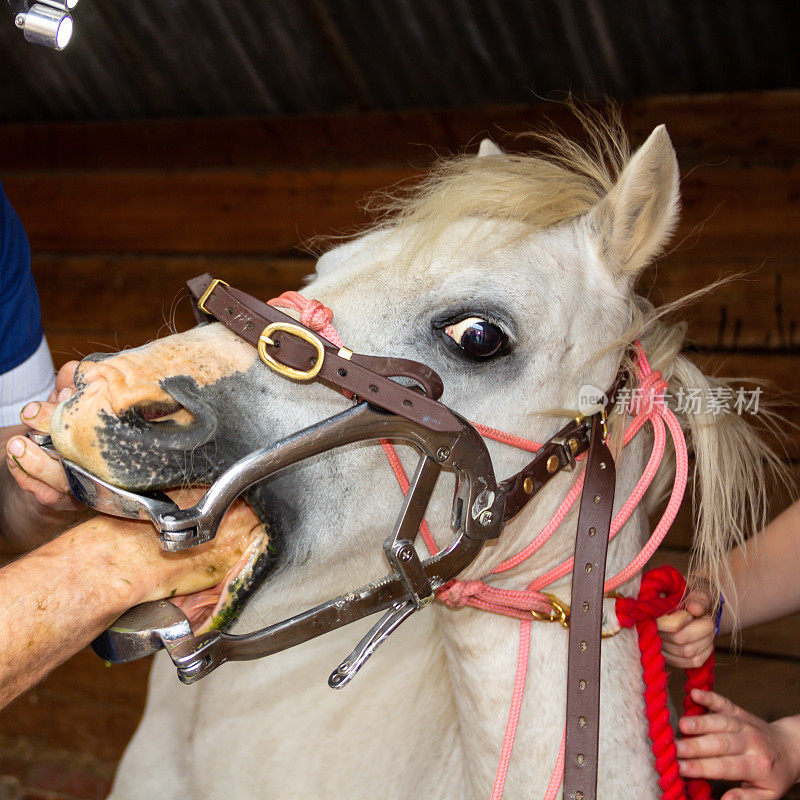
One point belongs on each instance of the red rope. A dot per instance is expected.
(661, 593)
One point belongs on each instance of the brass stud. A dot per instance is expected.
(581, 722)
(592, 531)
(527, 486)
(580, 759)
(582, 684)
(583, 647)
(552, 464)
(588, 568)
(597, 498)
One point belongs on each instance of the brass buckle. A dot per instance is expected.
(604, 423)
(206, 294)
(559, 612)
(301, 333)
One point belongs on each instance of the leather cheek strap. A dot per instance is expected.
(586, 620)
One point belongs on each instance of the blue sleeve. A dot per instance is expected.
(20, 316)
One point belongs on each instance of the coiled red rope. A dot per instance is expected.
(661, 593)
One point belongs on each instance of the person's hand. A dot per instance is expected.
(730, 744)
(154, 573)
(34, 471)
(687, 635)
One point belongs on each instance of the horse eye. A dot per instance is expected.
(476, 336)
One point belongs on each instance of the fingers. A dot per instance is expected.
(708, 723)
(750, 793)
(692, 662)
(686, 642)
(718, 768)
(718, 704)
(728, 741)
(37, 415)
(37, 473)
(698, 602)
(673, 623)
(65, 379)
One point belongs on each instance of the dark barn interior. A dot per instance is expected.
(176, 137)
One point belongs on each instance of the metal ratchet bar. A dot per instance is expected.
(197, 657)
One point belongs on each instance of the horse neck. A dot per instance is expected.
(482, 648)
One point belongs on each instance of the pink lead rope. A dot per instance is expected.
(649, 406)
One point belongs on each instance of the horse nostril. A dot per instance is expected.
(155, 411)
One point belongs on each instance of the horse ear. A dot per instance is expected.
(489, 148)
(636, 218)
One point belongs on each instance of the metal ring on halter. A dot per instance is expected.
(301, 333)
(213, 285)
(559, 612)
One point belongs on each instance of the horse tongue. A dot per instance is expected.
(195, 605)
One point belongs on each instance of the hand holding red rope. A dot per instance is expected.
(661, 593)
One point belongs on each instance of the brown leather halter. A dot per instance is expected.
(284, 343)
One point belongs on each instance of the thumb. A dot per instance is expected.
(698, 602)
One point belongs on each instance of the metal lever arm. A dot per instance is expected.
(377, 635)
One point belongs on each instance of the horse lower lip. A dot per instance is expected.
(214, 607)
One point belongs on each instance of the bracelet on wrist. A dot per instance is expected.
(718, 617)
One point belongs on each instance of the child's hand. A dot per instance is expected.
(687, 635)
(730, 744)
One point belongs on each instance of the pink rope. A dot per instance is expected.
(649, 407)
(513, 712)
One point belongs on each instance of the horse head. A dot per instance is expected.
(512, 276)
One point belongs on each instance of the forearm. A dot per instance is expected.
(58, 598)
(764, 583)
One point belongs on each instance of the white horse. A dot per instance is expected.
(541, 252)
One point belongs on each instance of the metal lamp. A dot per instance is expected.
(45, 22)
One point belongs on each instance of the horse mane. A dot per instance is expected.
(733, 464)
(562, 182)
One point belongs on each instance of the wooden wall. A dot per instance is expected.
(119, 215)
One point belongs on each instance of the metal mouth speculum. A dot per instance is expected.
(104, 497)
(477, 517)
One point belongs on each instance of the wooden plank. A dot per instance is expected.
(732, 130)
(82, 706)
(208, 212)
(751, 128)
(777, 638)
(759, 309)
(750, 214)
(95, 303)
